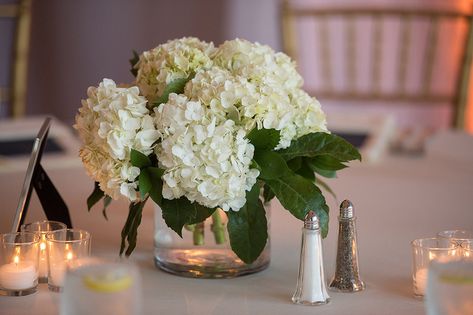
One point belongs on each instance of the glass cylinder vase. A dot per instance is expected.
(204, 250)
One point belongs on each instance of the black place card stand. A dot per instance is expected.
(36, 177)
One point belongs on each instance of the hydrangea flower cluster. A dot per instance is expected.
(111, 122)
(199, 134)
(173, 60)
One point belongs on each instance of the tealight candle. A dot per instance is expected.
(425, 251)
(66, 249)
(18, 275)
(41, 228)
(420, 281)
(19, 263)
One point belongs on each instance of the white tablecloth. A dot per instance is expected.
(397, 200)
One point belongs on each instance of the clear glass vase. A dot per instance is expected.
(203, 252)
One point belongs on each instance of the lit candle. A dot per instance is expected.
(420, 281)
(43, 259)
(18, 275)
(59, 269)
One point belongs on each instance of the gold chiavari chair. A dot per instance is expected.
(291, 15)
(13, 94)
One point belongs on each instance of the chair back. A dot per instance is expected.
(416, 42)
(15, 17)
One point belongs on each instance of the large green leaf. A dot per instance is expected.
(321, 143)
(295, 163)
(144, 182)
(267, 193)
(325, 186)
(138, 159)
(299, 195)
(320, 171)
(264, 139)
(248, 228)
(130, 229)
(179, 212)
(326, 162)
(177, 86)
(157, 184)
(271, 164)
(106, 202)
(305, 171)
(95, 196)
(133, 61)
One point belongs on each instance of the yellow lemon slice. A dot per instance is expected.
(107, 283)
(454, 279)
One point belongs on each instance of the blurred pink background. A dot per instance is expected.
(74, 44)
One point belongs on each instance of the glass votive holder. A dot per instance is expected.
(19, 253)
(102, 288)
(458, 236)
(426, 250)
(41, 228)
(67, 249)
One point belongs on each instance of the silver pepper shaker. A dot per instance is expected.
(347, 273)
(311, 289)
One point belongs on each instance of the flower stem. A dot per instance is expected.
(198, 234)
(218, 227)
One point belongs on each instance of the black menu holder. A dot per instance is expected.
(36, 177)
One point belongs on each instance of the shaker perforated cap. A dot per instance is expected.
(346, 209)
(311, 221)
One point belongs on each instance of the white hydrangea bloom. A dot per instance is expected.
(206, 158)
(176, 59)
(258, 105)
(111, 122)
(202, 133)
(258, 63)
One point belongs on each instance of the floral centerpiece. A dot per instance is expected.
(206, 127)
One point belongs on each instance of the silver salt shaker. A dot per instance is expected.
(311, 289)
(347, 273)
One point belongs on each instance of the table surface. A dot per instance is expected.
(396, 200)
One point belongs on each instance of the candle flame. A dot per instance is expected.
(431, 256)
(42, 246)
(69, 256)
(16, 259)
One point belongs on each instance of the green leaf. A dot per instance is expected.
(268, 194)
(324, 173)
(321, 143)
(95, 196)
(130, 229)
(179, 212)
(295, 163)
(176, 86)
(327, 162)
(144, 182)
(106, 202)
(133, 234)
(138, 159)
(305, 171)
(157, 184)
(133, 61)
(248, 228)
(299, 195)
(271, 164)
(325, 186)
(264, 139)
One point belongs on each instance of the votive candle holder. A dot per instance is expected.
(19, 255)
(426, 250)
(67, 249)
(41, 228)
